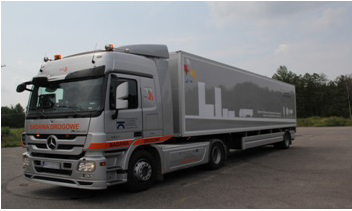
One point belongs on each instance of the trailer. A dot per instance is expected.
(134, 113)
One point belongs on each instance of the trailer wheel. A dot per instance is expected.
(216, 156)
(285, 144)
(141, 171)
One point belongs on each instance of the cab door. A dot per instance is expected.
(151, 107)
(128, 122)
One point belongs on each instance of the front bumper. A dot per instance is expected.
(67, 174)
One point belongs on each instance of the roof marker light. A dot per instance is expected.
(109, 47)
(57, 57)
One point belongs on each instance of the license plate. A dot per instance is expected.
(51, 165)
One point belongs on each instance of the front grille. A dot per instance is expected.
(67, 165)
(60, 146)
(54, 171)
(59, 136)
(55, 156)
(67, 146)
(40, 146)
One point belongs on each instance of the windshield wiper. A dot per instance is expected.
(70, 107)
(40, 111)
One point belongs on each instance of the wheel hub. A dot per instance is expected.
(287, 140)
(142, 171)
(216, 155)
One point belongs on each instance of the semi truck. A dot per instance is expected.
(133, 113)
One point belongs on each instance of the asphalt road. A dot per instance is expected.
(314, 173)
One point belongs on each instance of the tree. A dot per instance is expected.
(282, 74)
(12, 116)
(341, 99)
(349, 93)
(318, 96)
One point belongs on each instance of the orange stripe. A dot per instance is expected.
(127, 143)
(151, 140)
(109, 145)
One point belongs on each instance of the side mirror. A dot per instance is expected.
(21, 88)
(121, 95)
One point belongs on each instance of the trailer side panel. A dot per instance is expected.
(216, 98)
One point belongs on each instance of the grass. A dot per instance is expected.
(323, 122)
(11, 137)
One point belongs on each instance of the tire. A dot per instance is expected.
(285, 144)
(216, 156)
(141, 171)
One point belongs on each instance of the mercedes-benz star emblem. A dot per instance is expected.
(51, 143)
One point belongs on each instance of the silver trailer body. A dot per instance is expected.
(214, 98)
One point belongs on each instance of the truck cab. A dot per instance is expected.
(88, 112)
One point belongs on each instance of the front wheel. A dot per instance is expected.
(216, 156)
(141, 171)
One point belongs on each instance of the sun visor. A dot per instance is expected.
(40, 80)
(93, 72)
(158, 51)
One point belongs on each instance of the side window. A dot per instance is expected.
(132, 89)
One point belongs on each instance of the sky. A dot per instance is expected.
(306, 37)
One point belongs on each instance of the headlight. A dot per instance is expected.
(26, 161)
(86, 166)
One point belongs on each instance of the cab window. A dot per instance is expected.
(132, 89)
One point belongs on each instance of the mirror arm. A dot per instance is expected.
(114, 116)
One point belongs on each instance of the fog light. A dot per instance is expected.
(86, 166)
(26, 161)
(87, 175)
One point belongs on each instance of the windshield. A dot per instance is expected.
(67, 97)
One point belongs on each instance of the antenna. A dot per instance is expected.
(94, 53)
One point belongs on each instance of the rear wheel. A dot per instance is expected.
(216, 156)
(141, 171)
(285, 144)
